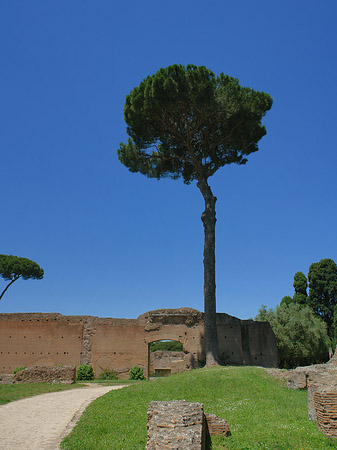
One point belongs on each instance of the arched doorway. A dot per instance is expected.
(165, 357)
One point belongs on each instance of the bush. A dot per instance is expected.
(84, 372)
(108, 375)
(301, 336)
(136, 373)
(18, 369)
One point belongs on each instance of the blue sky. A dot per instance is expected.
(116, 244)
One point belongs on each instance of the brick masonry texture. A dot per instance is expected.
(326, 412)
(175, 425)
(217, 426)
(324, 383)
(37, 339)
(6, 378)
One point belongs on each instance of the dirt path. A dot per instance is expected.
(41, 422)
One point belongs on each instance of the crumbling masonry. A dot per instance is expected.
(29, 339)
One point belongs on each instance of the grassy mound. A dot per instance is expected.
(261, 412)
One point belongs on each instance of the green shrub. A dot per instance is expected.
(85, 372)
(18, 369)
(136, 373)
(108, 375)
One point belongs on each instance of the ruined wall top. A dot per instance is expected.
(53, 317)
(175, 316)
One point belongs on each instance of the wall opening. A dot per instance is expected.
(165, 357)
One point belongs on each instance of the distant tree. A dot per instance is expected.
(170, 346)
(14, 267)
(186, 122)
(323, 291)
(286, 300)
(264, 314)
(334, 329)
(300, 285)
(301, 336)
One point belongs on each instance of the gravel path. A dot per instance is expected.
(41, 422)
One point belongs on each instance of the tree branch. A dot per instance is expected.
(213, 148)
(9, 284)
(230, 134)
(180, 158)
(195, 162)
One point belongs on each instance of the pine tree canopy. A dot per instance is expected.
(14, 267)
(186, 122)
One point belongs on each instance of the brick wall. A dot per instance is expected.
(36, 339)
(326, 412)
(32, 339)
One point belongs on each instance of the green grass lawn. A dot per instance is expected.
(261, 412)
(11, 392)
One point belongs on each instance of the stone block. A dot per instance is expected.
(176, 425)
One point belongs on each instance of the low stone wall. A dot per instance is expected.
(298, 378)
(40, 374)
(321, 382)
(6, 378)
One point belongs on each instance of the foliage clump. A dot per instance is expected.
(136, 373)
(300, 285)
(108, 374)
(19, 369)
(305, 325)
(322, 298)
(301, 336)
(85, 372)
(170, 346)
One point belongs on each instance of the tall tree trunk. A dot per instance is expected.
(208, 219)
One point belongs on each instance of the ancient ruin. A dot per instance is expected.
(38, 339)
(320, 380)
(42, 374)
(176, 424)
(179, 424)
